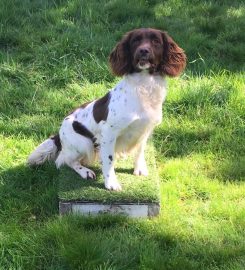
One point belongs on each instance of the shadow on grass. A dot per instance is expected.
(178, 142)
(111, 242)
(229, 169)
(207, 39)
(125, 170)
(32, 193)
(70, 180)
(27, 193)
(227, 151)
(214, 37)
(115, 242)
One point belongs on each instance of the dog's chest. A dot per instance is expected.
(141, 96)
(143, 109)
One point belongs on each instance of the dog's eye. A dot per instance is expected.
(136, 40)
(156, 42)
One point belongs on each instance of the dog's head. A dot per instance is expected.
(147, 49)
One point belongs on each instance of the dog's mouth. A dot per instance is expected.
(144, 63)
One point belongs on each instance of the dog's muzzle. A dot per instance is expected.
(144, 58)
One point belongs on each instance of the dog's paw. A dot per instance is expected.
(90, 175)
(141, 171)
(86, 173)
(113, 185)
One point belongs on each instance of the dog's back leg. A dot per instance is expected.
(75, 159)
(81, 170)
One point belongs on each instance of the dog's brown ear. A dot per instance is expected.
(120, 58)
(174, 58)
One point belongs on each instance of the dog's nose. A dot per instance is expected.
(144, 51)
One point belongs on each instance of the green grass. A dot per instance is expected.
(53, 57)
(143, 189)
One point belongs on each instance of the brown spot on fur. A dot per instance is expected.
(82, 130)
(56, 139)
(100, 109)
(96, 145)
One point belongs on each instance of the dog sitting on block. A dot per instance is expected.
(124, 118)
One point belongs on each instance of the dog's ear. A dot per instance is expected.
(120, 58)
(174, 58)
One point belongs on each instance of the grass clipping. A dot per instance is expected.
(135, 189)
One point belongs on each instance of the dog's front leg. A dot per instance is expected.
(107, 155)
(140, 167)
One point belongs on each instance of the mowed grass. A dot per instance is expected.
(135, 190)
(53, 58)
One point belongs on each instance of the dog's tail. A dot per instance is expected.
(48, 150)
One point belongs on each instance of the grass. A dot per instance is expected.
(135, 189)
(53, 57)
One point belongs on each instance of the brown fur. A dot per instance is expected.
(56, 139)
(166, 56)
(100, 109)
(82, 130)
(174, 60)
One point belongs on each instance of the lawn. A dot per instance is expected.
(53, 57)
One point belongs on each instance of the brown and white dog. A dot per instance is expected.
(124, 118)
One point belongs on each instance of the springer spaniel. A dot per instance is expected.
(124, 118)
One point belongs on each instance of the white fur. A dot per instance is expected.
(44, 152)
(135, 108)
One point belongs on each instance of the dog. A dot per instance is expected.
(123, 119)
